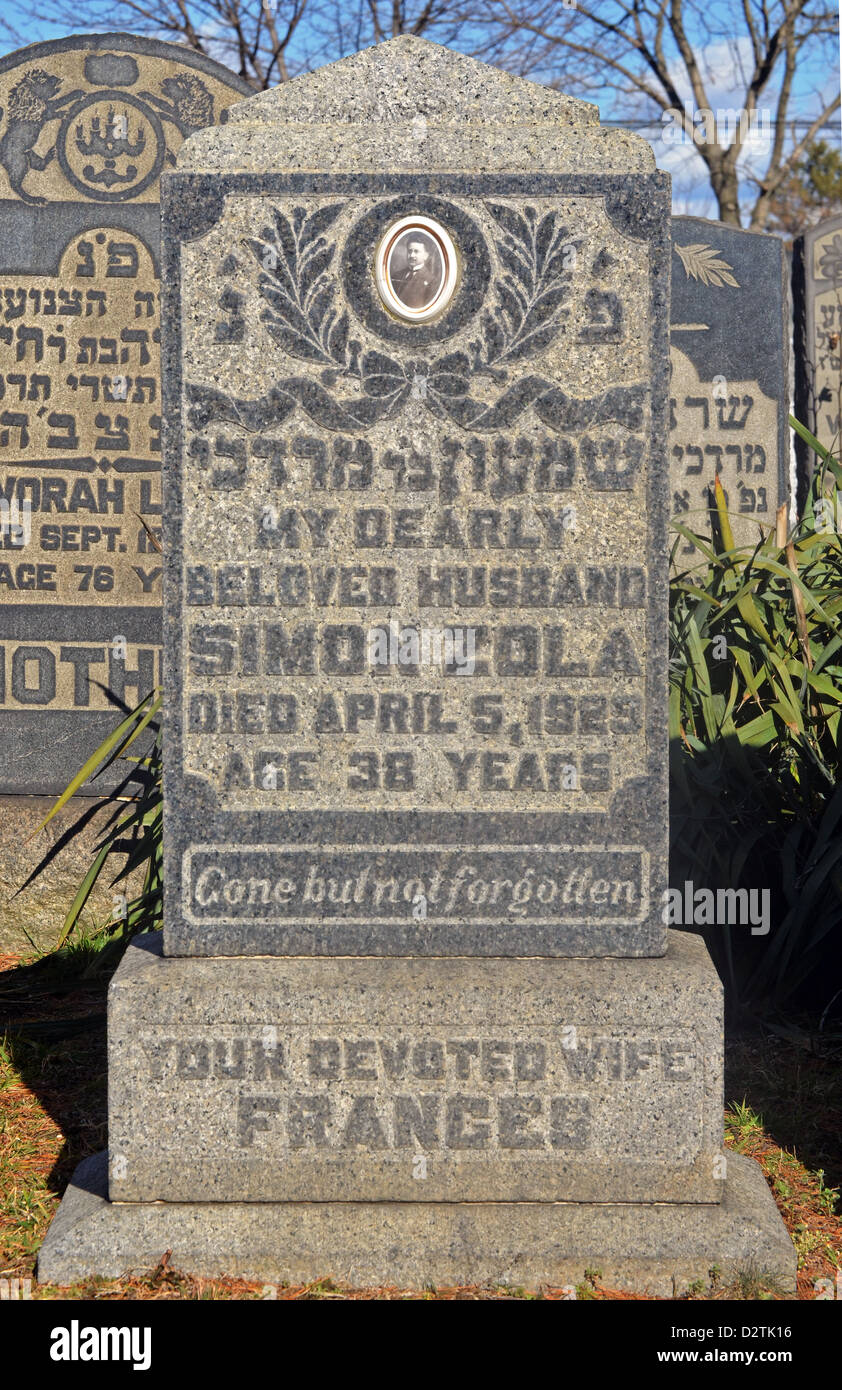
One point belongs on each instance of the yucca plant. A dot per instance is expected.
(755, 705)
(132, 831)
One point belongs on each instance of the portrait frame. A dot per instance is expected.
(416, 268)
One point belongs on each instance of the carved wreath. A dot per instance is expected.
(301, 315)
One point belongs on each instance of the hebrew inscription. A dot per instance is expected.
(80, 435)
(85, 133)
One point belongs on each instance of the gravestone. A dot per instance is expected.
(817, 298)
(490, 474)
(731, 379)
(89, 124)
(414, 1016)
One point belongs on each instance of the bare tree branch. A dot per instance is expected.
(658, 50)
(637, 56)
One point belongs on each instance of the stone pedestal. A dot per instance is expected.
(415, 1121)
(659, 1248)
(459, 1080)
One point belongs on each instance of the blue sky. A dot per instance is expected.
(721, 63)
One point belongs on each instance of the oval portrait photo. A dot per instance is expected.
(416, 268)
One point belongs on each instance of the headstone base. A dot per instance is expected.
(354, 1079)
(658, 1248)
(278, 1119)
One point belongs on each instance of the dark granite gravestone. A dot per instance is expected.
(491, 474)
(405, 402)
(88, 125)
(817, 298)
(731, 380)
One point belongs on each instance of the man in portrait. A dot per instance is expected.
(417, 283)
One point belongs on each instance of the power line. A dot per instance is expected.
(657, 122)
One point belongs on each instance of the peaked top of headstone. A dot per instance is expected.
(406, 78)
(408, 105)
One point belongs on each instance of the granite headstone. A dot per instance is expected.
(817, 298)
(416, 557)
(731, 381)
(416, 402)
(88, 125)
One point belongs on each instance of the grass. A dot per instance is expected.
(796, 1080)
(786, 1112)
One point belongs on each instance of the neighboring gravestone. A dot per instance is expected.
(817, 297)
(731, 380)
(397, 404)
(88, 125)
